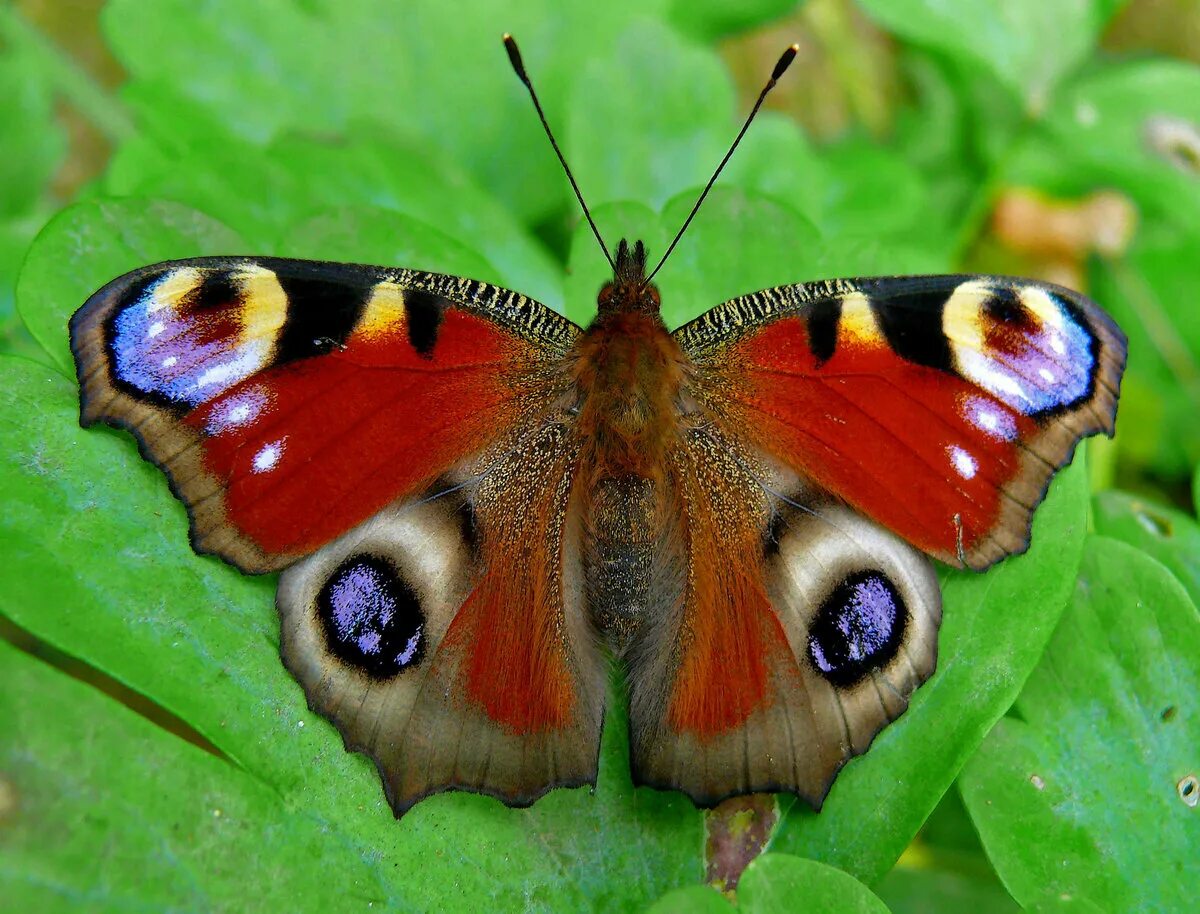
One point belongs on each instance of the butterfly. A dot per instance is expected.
(479, 508)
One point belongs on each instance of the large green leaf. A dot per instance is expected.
(104, 811)
(1087, 793)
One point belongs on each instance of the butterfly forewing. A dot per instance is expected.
(940, 406)
(288, 401)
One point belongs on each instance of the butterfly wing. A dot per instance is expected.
(399, 428)
(827, 419)
(797, 630)
(288, 401)
(939, 406)
(447, 637)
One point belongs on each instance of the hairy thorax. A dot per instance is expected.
(629, 374)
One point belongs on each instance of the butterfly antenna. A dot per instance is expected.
(514, 56)
(785, 61)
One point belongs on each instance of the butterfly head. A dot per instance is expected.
(629, 291)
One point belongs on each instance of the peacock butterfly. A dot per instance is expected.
(478, 506)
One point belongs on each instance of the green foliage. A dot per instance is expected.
(345, 131)
(1085, 795)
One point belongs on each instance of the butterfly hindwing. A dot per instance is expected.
(447, 637)
(940, 406)
(799, 631)
(288, 401)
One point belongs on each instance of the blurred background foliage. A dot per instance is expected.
(1051, 138)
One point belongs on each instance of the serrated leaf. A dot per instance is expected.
(1087, 793)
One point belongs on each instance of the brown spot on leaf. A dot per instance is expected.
(736, 832)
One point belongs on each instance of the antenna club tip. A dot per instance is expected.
(785, 61)
(514, 57)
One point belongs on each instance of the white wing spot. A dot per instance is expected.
(964, 463)
(984, 415)
(268, 456)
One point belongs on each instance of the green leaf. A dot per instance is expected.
(1063, 904)
(435, 73)
(695, 899)
(634, 135)
(264, 193)
(104, 811)
(781, 882)
(945, 869)
(1086, 794)
(364, 235)
(994, 628)
(740, 242)
(1026, 44)
(87, 244)
(1148, 292)
(933, 889)
(1165, 534)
